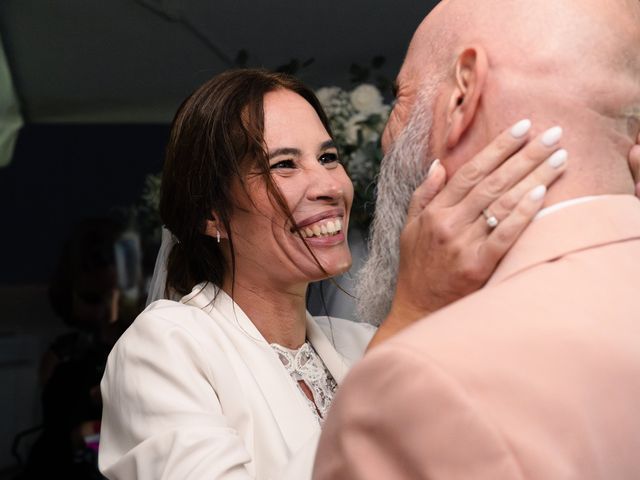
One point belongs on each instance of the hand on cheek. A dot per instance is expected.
(448, 248)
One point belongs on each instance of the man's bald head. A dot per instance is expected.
(533, 35)
(572, 62)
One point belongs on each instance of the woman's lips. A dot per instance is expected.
(326, 241)
(324, 228)
(331, 213)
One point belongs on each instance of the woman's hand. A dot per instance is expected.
(447, 247)
(634, 161)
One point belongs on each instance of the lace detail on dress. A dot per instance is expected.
(306, 365)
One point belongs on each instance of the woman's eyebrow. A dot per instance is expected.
(284, 151)
(296, 152)
(328, 144)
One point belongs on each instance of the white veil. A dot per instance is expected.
(158, 283)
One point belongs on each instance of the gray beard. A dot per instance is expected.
(402, 170)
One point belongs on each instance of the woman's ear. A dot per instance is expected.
(214, 228)
(471, 72)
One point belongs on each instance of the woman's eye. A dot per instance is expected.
(283, 164)
(329, 158)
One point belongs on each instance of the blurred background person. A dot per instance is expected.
(86, 294)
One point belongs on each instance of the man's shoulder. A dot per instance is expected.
(572, 299)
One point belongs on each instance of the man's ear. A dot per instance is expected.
(214, 227)
(471, 72)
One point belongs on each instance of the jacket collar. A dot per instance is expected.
(608, 219)
(287, 405)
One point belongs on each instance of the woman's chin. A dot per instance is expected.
(335, 267)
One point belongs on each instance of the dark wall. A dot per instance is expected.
(135, 60)
(60, 174)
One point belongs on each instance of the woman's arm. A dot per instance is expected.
(446, 248)
(162, 418)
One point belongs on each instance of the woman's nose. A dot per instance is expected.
(324, 184)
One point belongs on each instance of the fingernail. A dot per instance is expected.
(433, 166)
(521, 128)
(558, 158)
(538, 193)
(551, 136)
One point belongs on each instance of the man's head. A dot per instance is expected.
(572, 62)
(477, 69)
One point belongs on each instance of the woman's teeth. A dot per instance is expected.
(322, 229)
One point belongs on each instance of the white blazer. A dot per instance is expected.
(193, 391)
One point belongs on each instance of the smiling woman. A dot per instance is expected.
(237, 377)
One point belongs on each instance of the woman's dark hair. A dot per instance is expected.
(217, 137)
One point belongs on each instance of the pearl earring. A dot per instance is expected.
(218, 235)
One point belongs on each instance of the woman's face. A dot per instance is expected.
(304, 165)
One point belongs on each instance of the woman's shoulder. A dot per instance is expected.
(166, 325)
(167, 314)
(168, 337)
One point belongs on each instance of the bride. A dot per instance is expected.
(234, 380)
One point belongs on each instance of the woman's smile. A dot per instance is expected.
(322, 225)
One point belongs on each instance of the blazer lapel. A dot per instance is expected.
(287, 404)
(335, 363)
(609, 219)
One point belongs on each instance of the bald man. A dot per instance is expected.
(537, 375)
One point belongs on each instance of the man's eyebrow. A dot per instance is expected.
(284, 151)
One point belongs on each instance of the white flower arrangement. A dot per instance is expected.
(357, 118)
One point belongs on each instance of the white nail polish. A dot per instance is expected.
(537, 193)
(433, 166)
(521, 128)
(558, 158)
(551, 136)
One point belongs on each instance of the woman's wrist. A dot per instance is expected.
(403, 314)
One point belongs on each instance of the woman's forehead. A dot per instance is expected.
(289, 120)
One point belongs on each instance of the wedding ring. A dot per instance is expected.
(492, 221)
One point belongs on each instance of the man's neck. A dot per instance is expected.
(598, 138)
(588, 176)
(597, 147)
